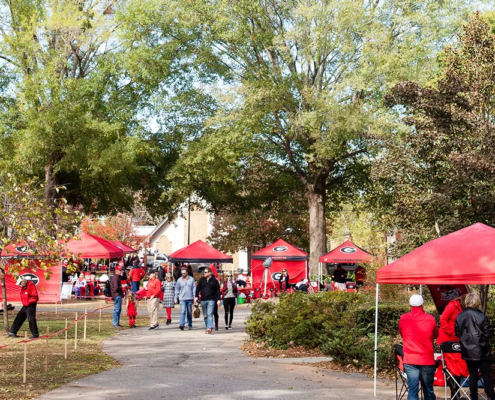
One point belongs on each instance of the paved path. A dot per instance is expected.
(173, 364)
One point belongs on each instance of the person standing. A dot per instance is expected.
(153, 293)
(29, 299)
(474, 331)
(418, 330)
(339, 276)
(162, 272)
(185, 290)
(116, 293)
(447, 320)
(209, 290)
(284, 281)
(131, 309)
(136, 275)
(169, 296)
(229, 294)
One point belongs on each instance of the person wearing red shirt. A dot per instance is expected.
(29, 299)
(447, 320)
(418, 330)
(360, 274)
(136, 275)
(153, 293)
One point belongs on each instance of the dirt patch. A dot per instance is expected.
(260, 350)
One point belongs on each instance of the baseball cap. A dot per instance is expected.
(416, 300)
(118, 268)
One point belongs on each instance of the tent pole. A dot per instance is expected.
(376, 338)
(421, 290)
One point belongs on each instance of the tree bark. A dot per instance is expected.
(6, 326)
(317, 223)
(50, 182)
(484, 296)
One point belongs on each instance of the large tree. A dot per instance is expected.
(301, 82)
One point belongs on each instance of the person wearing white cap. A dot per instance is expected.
(418, 330)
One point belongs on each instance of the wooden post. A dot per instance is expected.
(85, 316)
(75, 333)
(56, 308)
(25, 357)
(66, 340)
(46, 354)
(99, 323)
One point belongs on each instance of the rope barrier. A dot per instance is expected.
(56, 333)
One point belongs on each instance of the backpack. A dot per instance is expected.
(107, 292)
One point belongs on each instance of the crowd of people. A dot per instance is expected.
(462, 321)
(162, 287)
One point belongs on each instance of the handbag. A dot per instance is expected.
(196, 311)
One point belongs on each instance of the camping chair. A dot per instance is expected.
(456, 372)
(401, 393)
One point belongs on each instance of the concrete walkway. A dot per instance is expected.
(171, 364)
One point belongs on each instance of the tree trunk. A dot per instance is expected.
(50, 182)
(484, 296)
(317, 224)
(6, 326)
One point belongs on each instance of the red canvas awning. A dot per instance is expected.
(20, 250)
(199, 252)
(90, 246)
(347, 252)
(281, 250)
(126, 249)
(463, 257)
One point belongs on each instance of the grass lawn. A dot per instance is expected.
(88, 359)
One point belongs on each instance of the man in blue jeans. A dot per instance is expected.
(116, 292)
(185, 289)
(418, 330)
(209, 290)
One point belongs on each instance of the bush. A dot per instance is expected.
(341, 324)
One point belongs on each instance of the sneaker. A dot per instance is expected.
(117, 326)
(190, 328)
(230, 328)
(34, 337)
(12, 334)
(133, 326)
(181, 327)
(208, 330)
(152, 328)
(226, 327)
(169, 321)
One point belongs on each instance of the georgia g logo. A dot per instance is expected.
(30, 277)
(456, 347)
(276, 276)
(348, 250)
(280, 248)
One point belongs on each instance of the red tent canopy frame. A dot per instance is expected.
(283, 255)
(90, 246)
(199, 252)
(125, 249)
(463, 257)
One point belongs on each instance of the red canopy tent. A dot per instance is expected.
(284, 256)
(199, 252)
(347, 252)
(125, 249)
(463, 257)
(89, 246)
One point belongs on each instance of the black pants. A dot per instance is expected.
(229, 304)
(215, 314)
(484, 367)
(28, 312)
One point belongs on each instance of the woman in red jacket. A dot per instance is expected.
(29, 298)
(447, 320)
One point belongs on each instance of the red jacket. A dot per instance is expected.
(154, 288)
(447, 322)
(29, 294)
(136, 274)
(418, 330)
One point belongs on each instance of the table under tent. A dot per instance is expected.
(348, 255)
(264, 279)
(446, 265)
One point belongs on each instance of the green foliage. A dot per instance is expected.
(340, 324)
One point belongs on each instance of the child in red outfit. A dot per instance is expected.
(131, 309)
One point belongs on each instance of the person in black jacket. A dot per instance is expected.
(284, 281)
(473, 329)
(339, 276)
(116, 292)
(162, 272)
(209, 290)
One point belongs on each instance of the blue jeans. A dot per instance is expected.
(208, 307)
(135, 286)
(117, 308)
(423, 373)
(186, 307)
